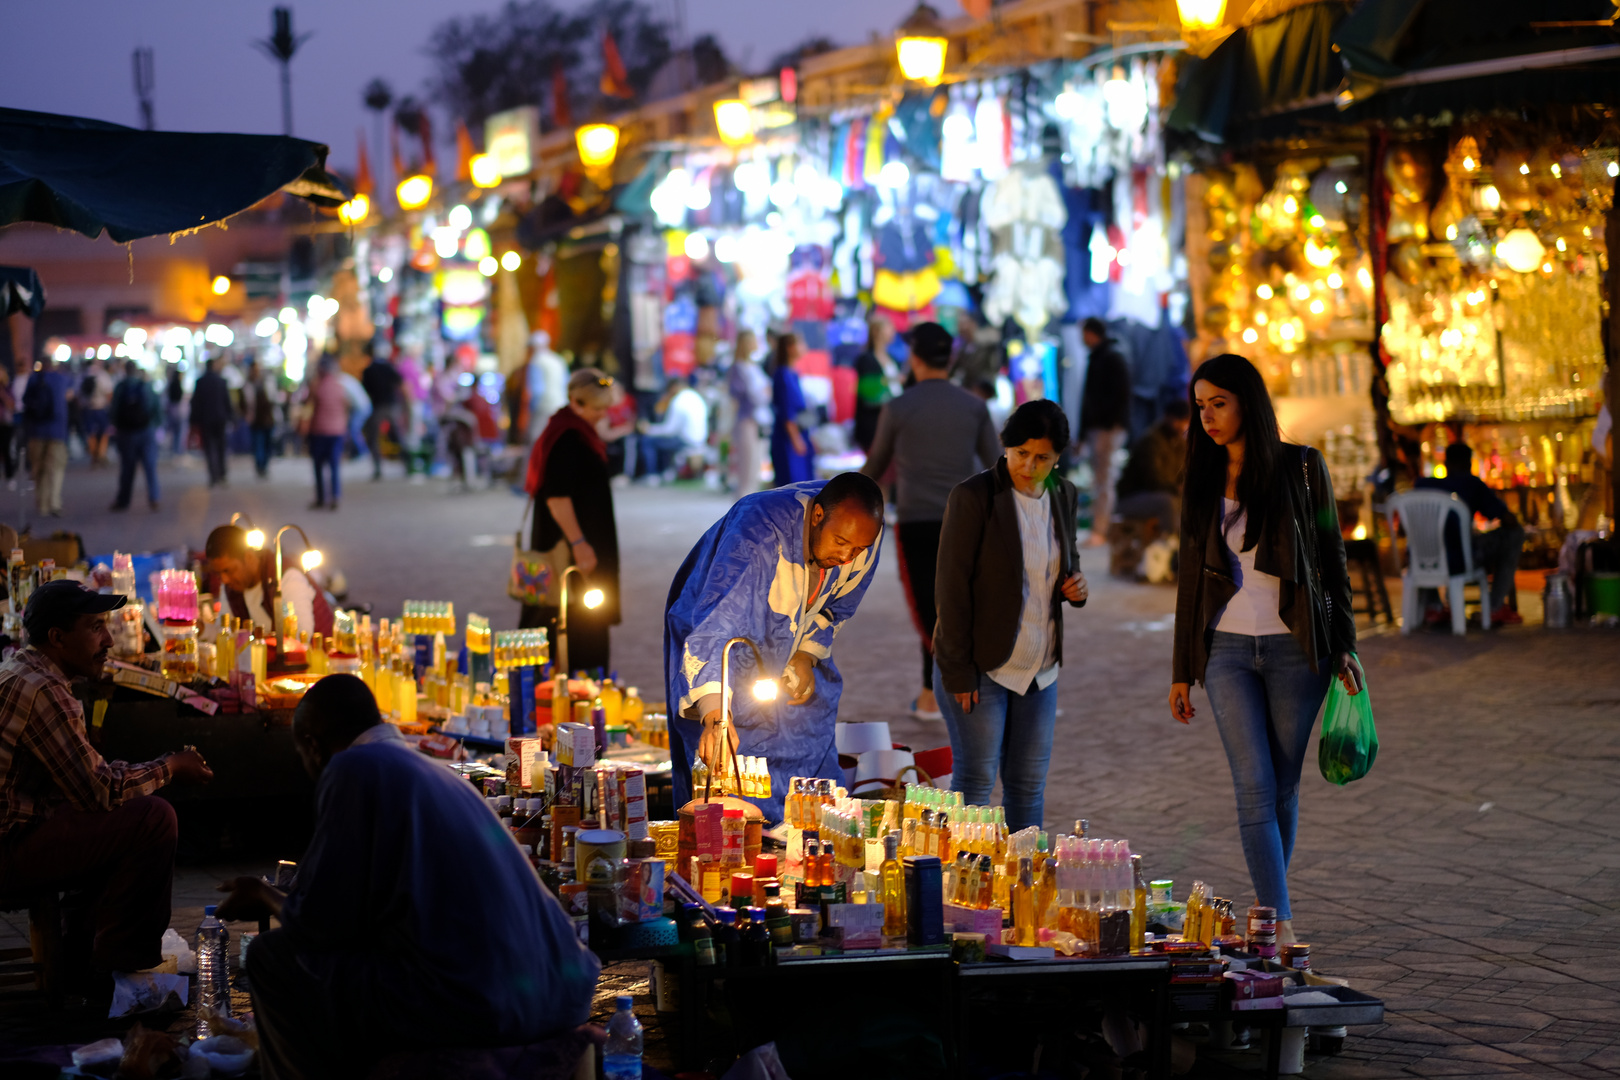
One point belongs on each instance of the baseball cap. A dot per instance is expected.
(932, 343)
(59, 603)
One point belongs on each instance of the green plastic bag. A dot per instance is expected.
(1349, 743)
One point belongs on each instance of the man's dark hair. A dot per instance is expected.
(932, 344)
(1096, 326)
(1038, 419)
(847, 486)
(131, 368)
(336, 709)
(1178, 410)
(227, 542)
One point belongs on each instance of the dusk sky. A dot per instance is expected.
(73, 56)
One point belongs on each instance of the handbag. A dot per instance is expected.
(536, 576)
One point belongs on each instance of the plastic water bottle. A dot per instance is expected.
(621, 1056)
(213, 970)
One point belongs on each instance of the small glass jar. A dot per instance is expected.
(180, 651)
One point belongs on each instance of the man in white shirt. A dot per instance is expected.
(249, 588)
(683, 428)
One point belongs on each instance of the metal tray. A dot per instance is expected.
(1353, 1008)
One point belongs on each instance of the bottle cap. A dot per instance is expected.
(625, 1001)
(208, 911)
(732, 812)
(727, 915)
(764, 866)
(757, 914)
(891, 846)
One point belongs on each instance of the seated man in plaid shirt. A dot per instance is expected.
(69, 819)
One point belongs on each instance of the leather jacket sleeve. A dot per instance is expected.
(1330, 549)
(959, 542)
(1188, 583)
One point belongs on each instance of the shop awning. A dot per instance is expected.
(93, 177)
(20, 292)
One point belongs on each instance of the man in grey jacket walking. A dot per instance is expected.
(936, 435)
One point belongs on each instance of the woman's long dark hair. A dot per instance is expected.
(1261, 491)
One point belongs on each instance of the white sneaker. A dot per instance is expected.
(923, 714)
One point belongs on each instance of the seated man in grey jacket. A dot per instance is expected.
(416, 922)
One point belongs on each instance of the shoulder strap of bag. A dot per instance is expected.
(517, 540)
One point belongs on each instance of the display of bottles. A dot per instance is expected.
(179, 651)
(702, 936)
(213, 970)
(621, 1054)
(429, 617)
(18, 584)
(317, 655)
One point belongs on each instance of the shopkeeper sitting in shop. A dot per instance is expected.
(416, 922)
(68, 818)
(785, 569)
(247, 577)
(1497, 551)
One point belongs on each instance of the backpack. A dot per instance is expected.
(130, 411)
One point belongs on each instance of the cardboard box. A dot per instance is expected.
(862, 924)
(966, 920)
(576, 745)
(706, 828)
(652, 889)
(925, 915)
(520, 758)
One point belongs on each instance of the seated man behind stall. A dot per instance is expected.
(416, 923)
(68, 818)
(1497, 551)
(248, 583)
(1150, 484)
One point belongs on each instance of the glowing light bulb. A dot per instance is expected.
(1302, 292)
(593, 598)
(1317, 307)
(488, 265)
(1334, 281)
(765, 690)
(310, 559)
(1263, 292)
(511, 261)
(255, 539)
(1286, 331)
(1250, 336)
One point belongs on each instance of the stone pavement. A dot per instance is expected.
(1472, 880)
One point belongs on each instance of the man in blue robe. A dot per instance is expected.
(784, 569)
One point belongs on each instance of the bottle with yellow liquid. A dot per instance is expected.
(1046, 896)
(1139, 898)
(256, 653)
(225, 646)
(612, 699)
(317, 655)
(632, 707)
(405, 691)
(892, 888)
(1025, 931)
(382, 684)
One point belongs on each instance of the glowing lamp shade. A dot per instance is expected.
(1201, 14)
(598, 145)
(1521, 251)
(485, 171)
(1319, 255)
(414, 192)
(222, 285)
(355, 210)
(310, 559)
(255, 539)
(922, 59)
(765, 690)
(488, 265)
(511, 261)
(593, 598)
(734, 121)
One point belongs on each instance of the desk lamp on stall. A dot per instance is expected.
(253, 535)
(764, 690)
(309, 560)
(559, 655)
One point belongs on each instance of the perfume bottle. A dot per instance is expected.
(892, 883)
(1023, 905)
(1139, 894)
(984, 887)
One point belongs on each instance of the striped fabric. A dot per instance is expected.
(1031, 659)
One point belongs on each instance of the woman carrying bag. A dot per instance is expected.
(567, 481)
(1262, 609)
(1007, 562)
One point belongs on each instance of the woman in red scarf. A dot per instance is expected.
(568, 477)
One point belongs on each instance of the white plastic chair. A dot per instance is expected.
(1424, 515)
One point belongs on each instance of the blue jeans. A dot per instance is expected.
(1265, 699)
(261, 448)
(658, 452)
(326, 451)
(1006, 730)
(136, 448)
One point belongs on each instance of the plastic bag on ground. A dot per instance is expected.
(760, 1063)
(1349, 743)
(146, 991)
(173, 945)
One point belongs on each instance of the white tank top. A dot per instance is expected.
(1253, 610)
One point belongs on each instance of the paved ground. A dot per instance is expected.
(1472, 880)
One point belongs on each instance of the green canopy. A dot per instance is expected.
(94, 177)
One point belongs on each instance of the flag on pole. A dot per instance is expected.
(615, 80)
(561, 115)
(464, 152)
(363, 183)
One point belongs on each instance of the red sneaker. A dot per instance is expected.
(1506, 616)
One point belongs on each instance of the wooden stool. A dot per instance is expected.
(1363, 554)
(40, 963)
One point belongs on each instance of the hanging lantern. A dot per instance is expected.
(485, 170)
(1522, 250)
(355, 210)
(414, 192)
(734, 121)
(1201, 14)
(598, 145)
(920, 46)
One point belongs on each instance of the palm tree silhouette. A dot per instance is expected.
(281, 46)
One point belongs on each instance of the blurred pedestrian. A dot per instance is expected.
(174, 394)
(936, 435)
(211, 415)
(876, 380)
(261, 400)
(1007, 564)
(45, 416)
(328, 412)
(680, 426)
(1105, 412)
(1149, 486)
(1262, 610)
(546, 380)
(359, 412)
(750, 390)
(137, 419)
(8, 429)
(385, 388)
(567, 479)
(95, 397)
(792, 455)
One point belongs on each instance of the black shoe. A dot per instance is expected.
(154, 505)
(118, 508)
(317, 505)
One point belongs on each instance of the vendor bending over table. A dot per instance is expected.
(247, 579)
(784, 569)
(416, 923)
(68, 819)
